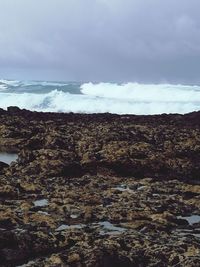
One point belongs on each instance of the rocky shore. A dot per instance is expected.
(99, 190)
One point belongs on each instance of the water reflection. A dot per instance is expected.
(8, 157)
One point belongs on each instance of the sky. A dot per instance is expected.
(147, 41)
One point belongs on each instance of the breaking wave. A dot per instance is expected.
(143, 92)
(129, 98)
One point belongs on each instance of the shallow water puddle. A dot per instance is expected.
(43, 213)
(142, 187)
(41, 203)
(110, 228)
(65, 227)
(123, 188)
(191, 219)
(74, 216)
(8, 157)
(105, 227)
(185, 232)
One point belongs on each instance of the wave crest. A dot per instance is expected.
(143, 92)
(129, 98)
(93, 102)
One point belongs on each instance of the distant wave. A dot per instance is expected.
(15, 86)
(3, 87)
(29, 83)
(8, 83)
(129, 98)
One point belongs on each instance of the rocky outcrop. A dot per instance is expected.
(100, 190)
(3, 166)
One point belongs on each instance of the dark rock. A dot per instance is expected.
(13, 110)
(99, 189)
(3, 165)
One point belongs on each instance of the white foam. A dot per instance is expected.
(15, 83)
(143, 92)
(3, 87)
(43, 83)
(104, 97)
(9, 82)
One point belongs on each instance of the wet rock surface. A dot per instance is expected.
(100, 190)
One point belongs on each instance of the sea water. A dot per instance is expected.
(7, 157)
(124, 98)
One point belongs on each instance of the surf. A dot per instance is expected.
(127, 98)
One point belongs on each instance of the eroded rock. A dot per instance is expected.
(99, 190)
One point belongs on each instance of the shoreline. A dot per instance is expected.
(100, 189)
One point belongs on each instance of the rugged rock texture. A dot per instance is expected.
(100, 190)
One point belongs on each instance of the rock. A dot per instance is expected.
(3, 166)
(2, 112)
(13, 110)
(99, 189)
(73, 258)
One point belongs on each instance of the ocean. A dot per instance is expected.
(124, 98)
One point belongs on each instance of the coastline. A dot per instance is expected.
(100, 189)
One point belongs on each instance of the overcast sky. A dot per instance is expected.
(101, 40)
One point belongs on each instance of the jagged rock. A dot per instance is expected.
(3, 165)
(99, 190)
(13, 110)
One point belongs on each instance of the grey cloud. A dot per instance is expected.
(101, 40)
